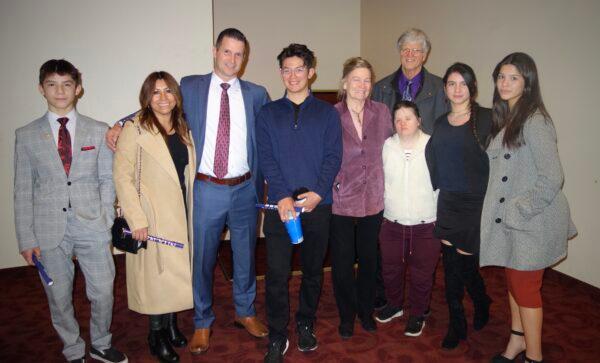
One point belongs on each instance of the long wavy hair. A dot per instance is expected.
(147, 117)
(530, 102)
(468, 75)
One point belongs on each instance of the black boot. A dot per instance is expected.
(457, 329)
(160, 346)
(476, 289)
(176, 339)
(457, 326)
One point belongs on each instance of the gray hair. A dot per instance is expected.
(414, 35)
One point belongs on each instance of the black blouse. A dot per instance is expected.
(457, 159)
(179, 154)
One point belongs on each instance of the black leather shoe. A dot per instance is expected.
(160, 347)
(176, 339)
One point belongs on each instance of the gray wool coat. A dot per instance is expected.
(526, 219)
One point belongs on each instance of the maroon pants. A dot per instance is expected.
(413, 248)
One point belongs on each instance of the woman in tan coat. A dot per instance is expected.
(157, 148)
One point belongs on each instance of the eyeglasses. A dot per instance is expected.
(297, 71)
(406, 51)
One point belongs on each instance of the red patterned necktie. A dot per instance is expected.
(64, 144)
(222, 145)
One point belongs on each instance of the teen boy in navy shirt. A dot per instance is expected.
(299, 142)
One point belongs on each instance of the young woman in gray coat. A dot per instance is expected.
(525, 220)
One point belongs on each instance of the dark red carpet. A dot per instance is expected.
(571, 329)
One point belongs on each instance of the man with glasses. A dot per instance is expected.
(299, 142)
(412, 82)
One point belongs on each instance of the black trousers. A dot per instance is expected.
(315, 228)
(352, 239)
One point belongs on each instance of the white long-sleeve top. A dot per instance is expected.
(409, 198)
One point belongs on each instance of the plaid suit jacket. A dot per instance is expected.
(43, 191)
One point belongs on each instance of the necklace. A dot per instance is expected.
(456, 118)
(357, 113)
(460, 113)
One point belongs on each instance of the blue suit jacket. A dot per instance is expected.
(194, 90)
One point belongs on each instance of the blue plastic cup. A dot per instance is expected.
(294, 228)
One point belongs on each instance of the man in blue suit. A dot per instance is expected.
(220, 110)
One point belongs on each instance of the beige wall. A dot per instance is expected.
(562, 36)
(330, 28)
(115, 44)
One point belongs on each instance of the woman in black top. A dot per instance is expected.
(459, 167)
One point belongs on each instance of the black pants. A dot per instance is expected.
(315, 228)
(354, 238)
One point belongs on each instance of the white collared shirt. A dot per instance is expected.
(237, 164)
(55, 125)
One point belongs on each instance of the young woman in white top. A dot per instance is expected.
(406, 237)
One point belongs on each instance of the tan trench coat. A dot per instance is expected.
(159, 278)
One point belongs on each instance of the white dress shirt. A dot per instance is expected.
(55, 125)
(237, 163)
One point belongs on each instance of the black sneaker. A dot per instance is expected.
(307, 341)
(388, 313)
(110, 355)
(414, 326)
(276, 351)
(80, 360)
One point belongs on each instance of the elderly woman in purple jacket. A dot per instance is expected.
(358, 197)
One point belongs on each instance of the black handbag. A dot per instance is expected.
(121, 240)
